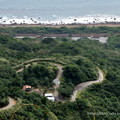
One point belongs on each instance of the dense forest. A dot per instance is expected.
(80, 60)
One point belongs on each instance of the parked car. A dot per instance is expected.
(50, 96)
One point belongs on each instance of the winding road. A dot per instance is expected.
(84, 85)
(77, 88)
(12, 102)
(57, 80)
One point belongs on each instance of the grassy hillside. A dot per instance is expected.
(99, 101)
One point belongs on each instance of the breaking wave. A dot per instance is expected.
(88, 19)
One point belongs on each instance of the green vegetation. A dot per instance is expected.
(39, 75)
(99, 101)
(62, 30)
(81, 71)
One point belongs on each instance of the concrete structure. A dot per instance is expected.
(27, 35)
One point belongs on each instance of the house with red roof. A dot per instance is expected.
(27, 88)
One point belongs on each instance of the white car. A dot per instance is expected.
(50, 96)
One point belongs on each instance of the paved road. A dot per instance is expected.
(79, 87)
(84, 85)
(57, 80)
(21, 69)
(12, 102)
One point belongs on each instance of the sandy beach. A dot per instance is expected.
(66, 25)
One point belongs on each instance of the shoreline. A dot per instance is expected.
(62, 25)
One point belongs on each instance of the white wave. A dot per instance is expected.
(69, 20)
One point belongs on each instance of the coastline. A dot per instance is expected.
(62, 25)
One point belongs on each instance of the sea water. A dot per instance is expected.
(59, 11)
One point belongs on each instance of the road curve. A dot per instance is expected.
(77, 88)
(57, 80)
(84, 85)
(12, 102)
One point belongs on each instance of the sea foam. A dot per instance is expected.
(59, 20)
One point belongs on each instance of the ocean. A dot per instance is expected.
(53, 10)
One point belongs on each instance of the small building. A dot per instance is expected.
(50, 96)
(27, 88)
